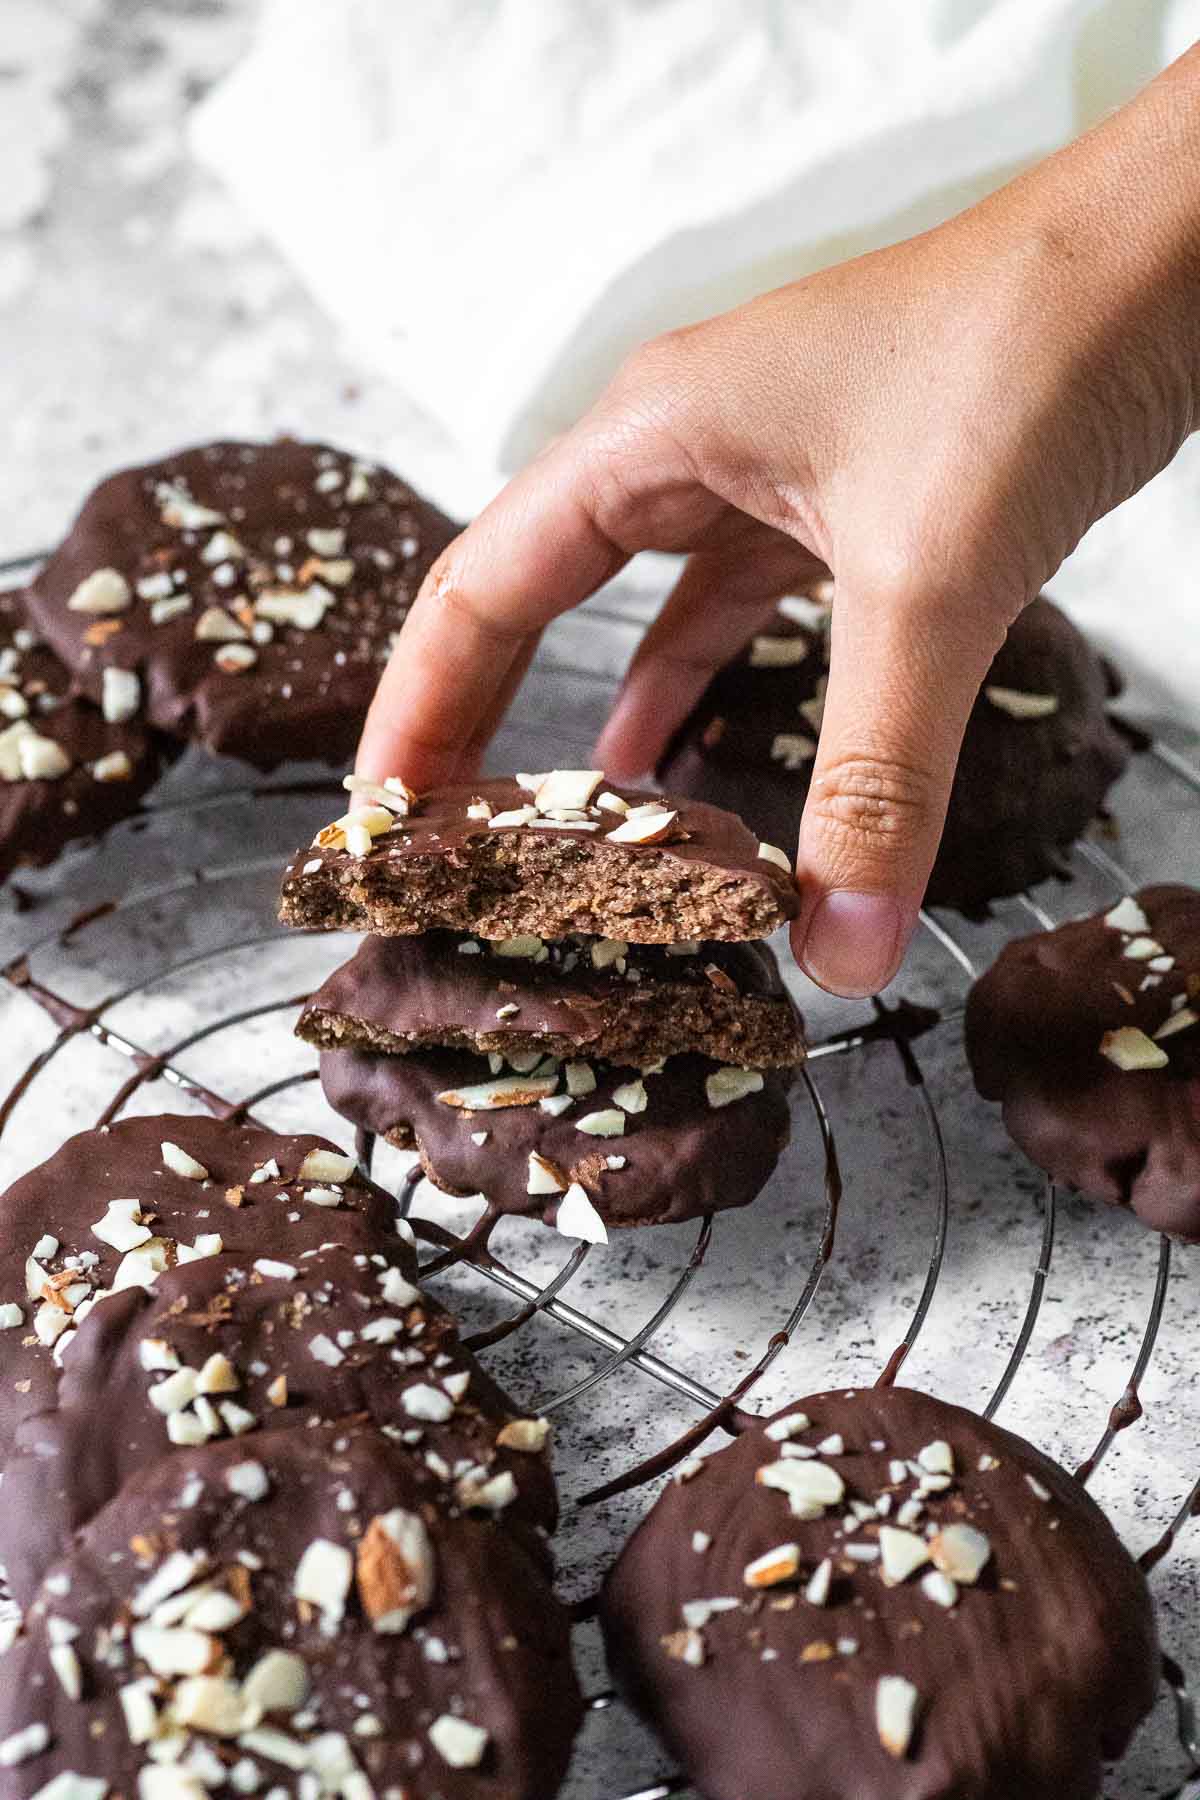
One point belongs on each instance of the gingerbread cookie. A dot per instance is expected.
(1089, 1037)
(217, 1349)
(1038, 758)
(581, 1145)
(243, 595)
(878, 1596)
(68, 767)
(539, 855)
(114, 1208)
(597, 997)
(298, 1613)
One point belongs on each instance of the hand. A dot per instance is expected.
(937, 424)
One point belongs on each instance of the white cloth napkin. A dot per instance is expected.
(498, 198)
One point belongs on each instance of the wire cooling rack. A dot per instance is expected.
(147, 973)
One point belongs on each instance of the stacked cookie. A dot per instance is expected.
(267, 1524)
(564, 1005)
(240, 596)
(1039, 754)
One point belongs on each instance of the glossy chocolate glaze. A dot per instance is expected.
(1034, 1025)
(489, 1646)
(308, 689)
(1040, 1669)
(682, 1157)
(64, 1197)
(446, 988)
(348, 1336)
(38, 818)
(1026, 788)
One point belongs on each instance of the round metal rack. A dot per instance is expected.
(61, 969)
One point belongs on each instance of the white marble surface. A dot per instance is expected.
(138, 316)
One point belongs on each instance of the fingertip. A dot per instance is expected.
(851, 944)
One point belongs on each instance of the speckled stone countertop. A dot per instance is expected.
(136, 314)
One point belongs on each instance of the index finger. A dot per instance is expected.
(535, 552)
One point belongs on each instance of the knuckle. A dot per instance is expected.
(874, 803)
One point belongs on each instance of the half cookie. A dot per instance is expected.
(303, 1613)
(116, 1207)
(216, 1348)
(582, 1145)
(545, 856)
(600, 997)
(68, 767)
(245, 595)
(1039, 755)
(877, 1596)
(1089, 1037)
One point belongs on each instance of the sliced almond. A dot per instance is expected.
(304, 608)
(896, 1702)
(569, 788)
(631, 1096)
(726, 1085)
(1128, 1048)
(120, 695)
(609, 1121)
(235, 659)
(393, 793)
(518, 815)
(103, 592)
(773, 854)
(577, 1217)
(1020, 705)
(778, 652)
(32, 757)
(792, 750)
(686, 1646)
(1182, 1020)
(606, 951)
(902, 1553)
(810, 1485)
(960, 1551)
(180, 1163)
(545, 1177)
(216, 626)
(176, 507)
(524, 1434)
(773, 1566)
(648, 828)
(458, 1742)
(116, 766)
(506, 1090)
(394, 1569)
(1127, 915)
(323, 1577)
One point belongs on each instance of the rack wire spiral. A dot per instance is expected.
(86, 970)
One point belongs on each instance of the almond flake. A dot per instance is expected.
(896, 1703)
(644, 828)
(961, 1552)
(773, 854)
(180, 1163)
(1020, 705)
(1182, 1020)
(810, 1485)
(685, 1646)
(278, 1682)
(326, 1165)
(394, 1569)
(115, 766)
(902, 1553)
(577, 1217)
(1129, 1048)
(817, 1591)
(545, 1177)
(939, 1588)
(773, 1566)
(524, 1434)
(459, 1743)
(571, 789)
(789, 1427)
(726, 1085)
(101, 593)
(778, 652)
(580, 1078)
(121, 1226)
(478, 809)
(793, 751)
(506, 1090)
(323, 1577)
(517, 815)
(216, 626)
(612, 803)
(937, 1458)
(304, 609)
(1127, 915)
(172, 607)
(608, 1122)
(120, 695)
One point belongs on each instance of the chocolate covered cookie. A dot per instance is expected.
(598, 997)
(1089, 1037)
(878, 1596)
(298, 1613)
(218, 1349)
(581, 1145)
(244, 595)
(1039, 755)
(69, 767)
(114, 1208)
(539, 855)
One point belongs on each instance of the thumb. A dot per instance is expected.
(903, 678)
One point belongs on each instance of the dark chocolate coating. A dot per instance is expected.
(1040, 1670)
(439, 869)
(683, 1157)
(65, 1470)
(491, 1646)
(1034, 1024)
(38, 818)
(403, 993)
(308, 691)
(70, 1192)
(1025, 789)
